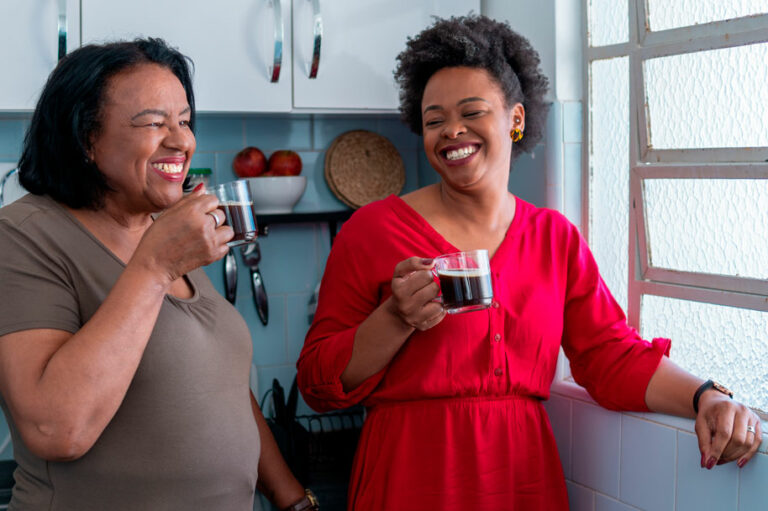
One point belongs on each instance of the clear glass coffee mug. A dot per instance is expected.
(236, 203)
(465, 281)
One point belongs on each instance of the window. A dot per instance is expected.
(677, 186)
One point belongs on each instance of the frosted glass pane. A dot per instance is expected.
(708, 225)
(609, 171)
(608, 22)
(726, 344)
(712, 98)
(664, 14)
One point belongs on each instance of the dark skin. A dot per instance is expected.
(63, 389)
(466, 134)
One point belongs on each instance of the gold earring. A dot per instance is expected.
(516, 134)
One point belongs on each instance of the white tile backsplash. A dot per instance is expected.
(559, 410)
(629, 462)
(580, 498)
(596, 435)
(701, 489)
(647, 464)
(753, 484)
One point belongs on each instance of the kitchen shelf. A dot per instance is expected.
(332, 218)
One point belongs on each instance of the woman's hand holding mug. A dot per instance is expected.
(414, 291)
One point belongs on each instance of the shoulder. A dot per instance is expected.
(545, 220)
(30, 209)
(377, 215)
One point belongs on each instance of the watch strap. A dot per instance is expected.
(709, 384)
(307, 503)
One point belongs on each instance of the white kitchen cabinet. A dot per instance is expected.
(29, 45)
(231, 42)
(360, 41)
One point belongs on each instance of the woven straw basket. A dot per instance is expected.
(362, 167)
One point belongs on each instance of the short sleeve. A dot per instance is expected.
(607, 356)
(37, 290)
(347, 297)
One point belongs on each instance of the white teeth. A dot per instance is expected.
(463, 152)
(169, 168)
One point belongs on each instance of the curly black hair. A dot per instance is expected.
(475, 41)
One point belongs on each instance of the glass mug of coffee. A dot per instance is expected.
(236, 203)
(465, 281)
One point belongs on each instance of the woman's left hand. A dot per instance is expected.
(727, 430)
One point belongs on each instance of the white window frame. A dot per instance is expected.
(647, 163)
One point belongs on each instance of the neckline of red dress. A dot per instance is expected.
(445, 246)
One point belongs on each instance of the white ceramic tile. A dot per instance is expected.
(701, 489)
(596, 445)
(579, 497)
(647, 464)
(559, 411)
(603, 503)
(753, 486)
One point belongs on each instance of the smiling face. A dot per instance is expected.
(466, 126)
(145, 143)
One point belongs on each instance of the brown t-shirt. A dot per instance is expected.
(184, 437)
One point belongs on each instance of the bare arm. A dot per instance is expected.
(62, 389)
(276, 481)
(721, 424)
(384, 332)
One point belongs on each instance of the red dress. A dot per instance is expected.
(455, 421)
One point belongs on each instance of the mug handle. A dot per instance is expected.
(436, 278)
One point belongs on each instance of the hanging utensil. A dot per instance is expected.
(251, 257)
(230, 276)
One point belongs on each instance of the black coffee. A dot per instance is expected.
(242, 219)
(465, 288)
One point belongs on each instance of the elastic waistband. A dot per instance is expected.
(454, 400)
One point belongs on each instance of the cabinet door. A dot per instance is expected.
(360, 41)
(231, 42)
(29, 42)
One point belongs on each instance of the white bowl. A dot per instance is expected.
(276, 194)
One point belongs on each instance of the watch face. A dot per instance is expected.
(312, 499)
(722, 388)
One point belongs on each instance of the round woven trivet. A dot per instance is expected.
(362, 167)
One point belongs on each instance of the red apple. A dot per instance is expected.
(250, 162)
(284, 163)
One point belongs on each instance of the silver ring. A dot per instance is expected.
(750, 429)
(215, 218)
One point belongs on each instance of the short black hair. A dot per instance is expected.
(475, 41)
(54, 159)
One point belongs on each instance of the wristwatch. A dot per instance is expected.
(307, 503)
(709, 384)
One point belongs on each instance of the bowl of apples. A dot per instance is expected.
(276, 185)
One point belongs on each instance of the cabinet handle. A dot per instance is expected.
(277, 60)
(317, 37)
(62, 28)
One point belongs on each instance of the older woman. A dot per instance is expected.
(123, 374)
(455, 416)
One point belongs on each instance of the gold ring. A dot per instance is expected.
(215, 218)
